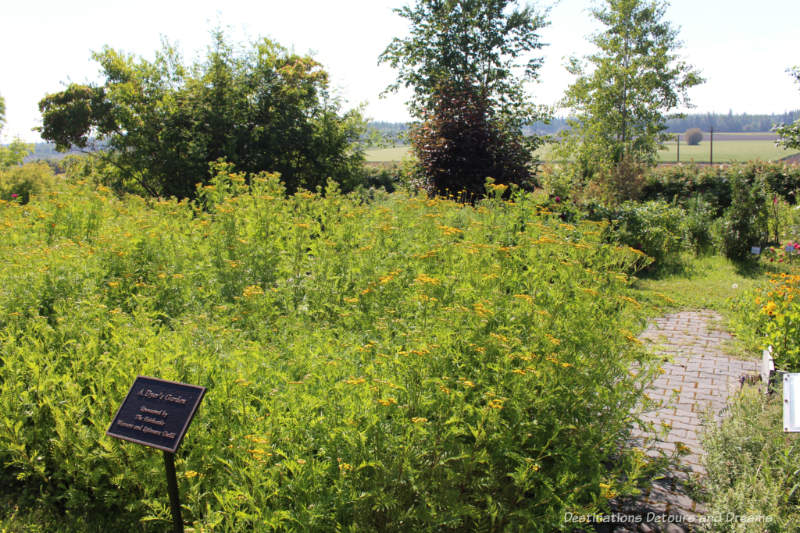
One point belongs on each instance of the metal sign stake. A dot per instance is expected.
(172, 488)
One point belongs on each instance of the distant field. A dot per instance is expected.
(728, 148)
(387, 155)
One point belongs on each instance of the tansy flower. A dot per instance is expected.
(387, 402)
(425, 279)
(496, 404)
(252, 290)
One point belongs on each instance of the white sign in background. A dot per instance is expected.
(791, 403)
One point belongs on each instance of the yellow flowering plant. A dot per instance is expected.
(471, 363)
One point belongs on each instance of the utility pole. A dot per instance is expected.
(678, 138)
(711, 157)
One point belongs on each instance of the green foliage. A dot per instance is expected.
(405, 364)
(557, 181)
(654, 228)
(162, 123)
(466, 42)
(752, 468)
(790, 133)
(779, 179)
(462, 59)
(14, 153)
(681, 183)
(769, 315)
(697, 226)
(460, 144)
(693, 136)
(745, 222)
(620, 103)
(18, 184)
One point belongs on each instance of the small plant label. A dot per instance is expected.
(755, 250)
(156, 413)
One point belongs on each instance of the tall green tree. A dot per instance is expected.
(161, 123)
(467, 62)
(624, 93)
(790, 133)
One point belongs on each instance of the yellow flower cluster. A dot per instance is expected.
(449, 230)
(388, 277)
(252, 290)
(481, 310)
(425, 279)
(769, 308)
(387, 401)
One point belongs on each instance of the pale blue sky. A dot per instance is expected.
(742, 47)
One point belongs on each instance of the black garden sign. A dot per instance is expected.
(157, 413)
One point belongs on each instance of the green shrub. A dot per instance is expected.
(557, 181)
(698, 225)
(693, 136)
(781, 179)
(752, 469)
(20, 183)
(745, 223)
(260, 106)
(681, 183)
(654, 228)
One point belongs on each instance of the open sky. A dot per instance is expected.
(741, 47)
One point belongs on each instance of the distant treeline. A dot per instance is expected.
(730, 122)
(392, 132)
(48, 151)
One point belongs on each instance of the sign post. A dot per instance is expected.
(157, 413)
(172, 489)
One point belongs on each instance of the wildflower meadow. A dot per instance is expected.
(390, 363)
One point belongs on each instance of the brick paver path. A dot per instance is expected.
(698, 377)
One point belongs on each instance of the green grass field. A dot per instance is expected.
(732, 147)
(725, 151)
(387, 155)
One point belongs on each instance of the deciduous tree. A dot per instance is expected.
(162, 123)
(467, 62)
(790, 133)
(624, 92)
